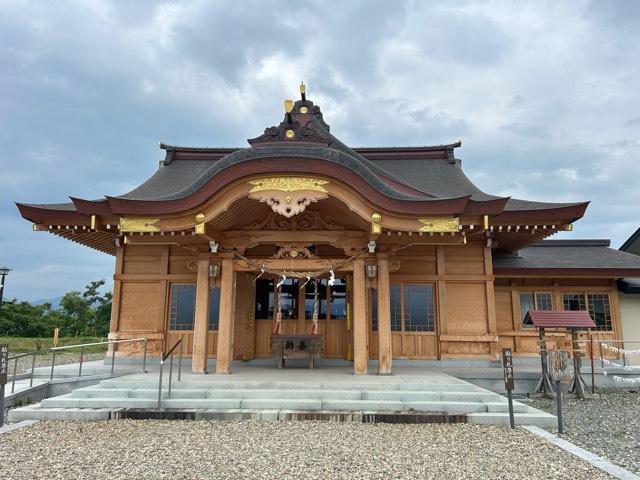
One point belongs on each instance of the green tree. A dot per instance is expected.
(21, 319)
(86, 313)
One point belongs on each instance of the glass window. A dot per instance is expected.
(544, 301)
(411, 305)
(183, 303)
(338, 300)
(600, 310)
(183, 307)
(534, 301)
(396, 308)
(309, 299)
(573, 301)
(527, 301)
(289, 298)
(265, 297)
(374, 309)
(214, 308)
(418, 308)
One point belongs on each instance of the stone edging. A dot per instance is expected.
(10, 427)
(592, 458)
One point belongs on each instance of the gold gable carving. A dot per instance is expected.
(288, 184)
(439, 224)
(288, 196)
(138, 224)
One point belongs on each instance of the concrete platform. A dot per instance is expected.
(262, 392)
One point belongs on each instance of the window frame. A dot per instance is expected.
(210, 324)
(400, 308)
(535, 294)
(608, 323)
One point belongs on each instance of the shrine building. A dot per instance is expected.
(380, 253)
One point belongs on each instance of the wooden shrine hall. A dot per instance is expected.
(376, 253)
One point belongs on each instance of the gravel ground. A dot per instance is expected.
(281, 450)
(24, 363)
(608, 425)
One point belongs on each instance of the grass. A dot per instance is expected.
(25, 345)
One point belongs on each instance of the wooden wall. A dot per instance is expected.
(474, 316)
(524, 340)
(462, 279)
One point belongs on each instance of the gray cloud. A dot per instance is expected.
(544, 95)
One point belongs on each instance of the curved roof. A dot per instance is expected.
(410, 180)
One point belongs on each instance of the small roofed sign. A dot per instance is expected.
(507, 368)
(4, 363)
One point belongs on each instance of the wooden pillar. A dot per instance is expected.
(114, 323)
(225, 327)
(441, 299)
(360, 350)
(201, 324)
(385, 353)
(492, 327)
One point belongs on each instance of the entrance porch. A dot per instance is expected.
(244, 303)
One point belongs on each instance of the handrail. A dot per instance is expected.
(165, 356)
(169, 355)
(53, 351)
(98, 343)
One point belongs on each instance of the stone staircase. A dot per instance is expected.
(136, 397)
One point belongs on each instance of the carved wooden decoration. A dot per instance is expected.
(294, 251)
(306, 221)
(438, 224)
(288, 196)
(139, 224)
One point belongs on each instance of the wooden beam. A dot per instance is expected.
(248, 238)
(310, 264)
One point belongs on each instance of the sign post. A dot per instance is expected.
(507, 369)
(4, 367)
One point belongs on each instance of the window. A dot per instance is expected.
(338, 300)
(418, 308)
(411, 308)
(289, 298)
(309, 300)
(573, 301)
(374, 309)
(214, 308)
(597, 304)
(183, 307)
(396, 308)
(534, 301)
(600, 310)
(183, 302)
(265, 297)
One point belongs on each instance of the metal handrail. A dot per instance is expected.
(53, 351)
(169, 355)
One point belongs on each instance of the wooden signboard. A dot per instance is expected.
(507, 368)
(4, 363)
(296, 346)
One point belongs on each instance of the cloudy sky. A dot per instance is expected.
(544, 95)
